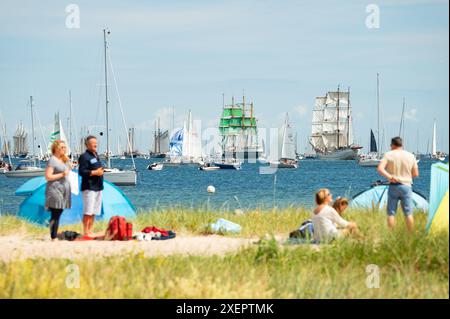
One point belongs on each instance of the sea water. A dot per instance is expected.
(245, 189)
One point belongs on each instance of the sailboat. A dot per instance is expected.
(436, 156)
(286, 147)
(192, 143)
(239, 131)
(58, 134)
(160, 142)
(26, 169)
(115, 175)
(175, 150)
(5, 166)
(262, 157)
(332, 133)
(373, 158)
(185, 147)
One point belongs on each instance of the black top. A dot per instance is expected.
(88, 162)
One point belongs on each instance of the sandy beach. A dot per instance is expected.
(20, 247)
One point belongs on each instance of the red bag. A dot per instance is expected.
(119, 229)
(129, 231)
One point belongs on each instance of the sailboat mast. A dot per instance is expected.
(348, 117)
(108, 159)
(402, 124)
(433, 141)
(378, 112)
(32, 130)
(159, 137)
(70, 120)
(338, 126)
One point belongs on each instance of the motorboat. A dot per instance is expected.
(155, 167)
(209, 167)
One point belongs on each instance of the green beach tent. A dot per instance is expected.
(438, 215)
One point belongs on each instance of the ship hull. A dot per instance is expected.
(26, 173)
(158, 155)
(346, 154)
(369, 163)
(283, 165)
(235, 166)
(244, 156)
(121, 177)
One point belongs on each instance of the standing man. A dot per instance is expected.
(400, 168)
(91, 172)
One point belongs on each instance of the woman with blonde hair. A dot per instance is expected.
(326, 219)
(57, 191)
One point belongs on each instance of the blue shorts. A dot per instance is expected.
(402, 193)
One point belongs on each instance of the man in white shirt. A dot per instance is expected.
(399, 167)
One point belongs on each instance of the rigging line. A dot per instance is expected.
(5, 139)
(121, 109)
(44, 140)
(99, 94)
(74, 124)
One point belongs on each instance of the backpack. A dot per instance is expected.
(119, 229)
(69, 235)
(305, 231)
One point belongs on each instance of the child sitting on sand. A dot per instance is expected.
(326, 219)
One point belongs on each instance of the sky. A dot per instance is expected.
(183, 55)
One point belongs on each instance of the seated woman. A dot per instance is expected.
(340, 205)
(326, 219)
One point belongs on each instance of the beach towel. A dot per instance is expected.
(155, 233)
(155, 230)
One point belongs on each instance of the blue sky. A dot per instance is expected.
(186, 54)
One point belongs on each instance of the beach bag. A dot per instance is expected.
(305, 231)
(69, 235)
(119, 229)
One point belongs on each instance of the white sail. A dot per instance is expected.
(332, 122)
(58, 134)
(287, 141)
(192, 143)
(196, 142)
(433, 141)
(185, 146)
(164, 142)
(20, 140)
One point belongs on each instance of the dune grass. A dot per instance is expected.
(409, 265)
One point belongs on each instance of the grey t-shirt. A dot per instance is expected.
(57, 193)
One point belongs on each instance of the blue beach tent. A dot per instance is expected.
(376, 198)
(114, 202)
(438, 215)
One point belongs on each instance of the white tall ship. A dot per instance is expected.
(20, 141)
(29, 168)
(332, 133)
(286, 147)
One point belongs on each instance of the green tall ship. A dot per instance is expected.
(239, 131)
